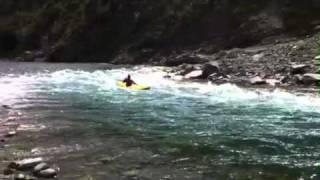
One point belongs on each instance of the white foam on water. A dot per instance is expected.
(105, 80)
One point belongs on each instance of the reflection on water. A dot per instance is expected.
(177, 130)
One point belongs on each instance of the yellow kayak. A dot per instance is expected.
(136, 87)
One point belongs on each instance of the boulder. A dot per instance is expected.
(47, 173)
(40, 167)
(197, 74)
(210, 68)
(309, 78)
(299, 69)
(257, 81)
(26, 163)
(218, 79)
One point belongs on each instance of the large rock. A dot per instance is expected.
(299, 69)
(197, 74)
(26, 163)
(210, 68)
(309, 78)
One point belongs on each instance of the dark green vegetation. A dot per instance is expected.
(100, 30)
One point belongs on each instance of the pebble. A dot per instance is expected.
(131, 173)
(20, 177)
(11, 134)
(47, 173)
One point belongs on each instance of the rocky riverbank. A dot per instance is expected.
(28, 168)
(286, 62)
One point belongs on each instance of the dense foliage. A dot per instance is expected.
(98, 30)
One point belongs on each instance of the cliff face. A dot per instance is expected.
(99, 30)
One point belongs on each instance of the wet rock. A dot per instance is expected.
(299, 69)
(47, 173)
(309, 79)
(11, 134)
(317, 57)
(210, 68)
(257, 81)
(185, 69)
(218, 79)
(197, 74)
(26, 163)
(40, 167)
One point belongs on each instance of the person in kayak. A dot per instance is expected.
(129, 81)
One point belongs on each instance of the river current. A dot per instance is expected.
(178, 130)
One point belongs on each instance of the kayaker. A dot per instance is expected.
(128, 81)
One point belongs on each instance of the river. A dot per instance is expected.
(80, 121)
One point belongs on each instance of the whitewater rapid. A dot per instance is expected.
(13, 87)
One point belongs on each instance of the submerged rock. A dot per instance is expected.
(47, 173)
(26, 163)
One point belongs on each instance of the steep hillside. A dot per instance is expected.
(133, 31)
